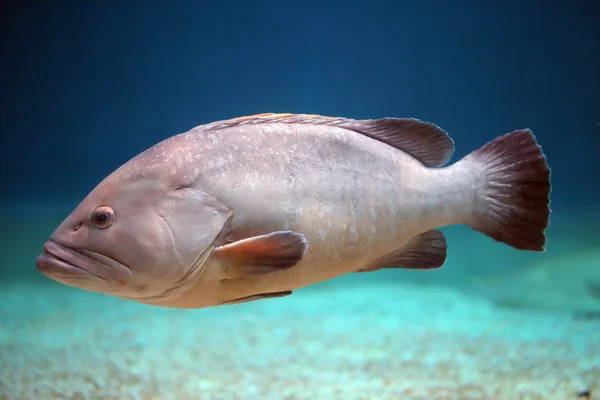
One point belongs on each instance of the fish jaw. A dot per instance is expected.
(65, 265)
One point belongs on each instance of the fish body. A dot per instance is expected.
(256, 207)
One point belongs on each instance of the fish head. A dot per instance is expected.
(135, 236)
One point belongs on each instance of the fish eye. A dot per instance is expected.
(103, 217)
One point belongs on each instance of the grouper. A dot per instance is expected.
(258, 206)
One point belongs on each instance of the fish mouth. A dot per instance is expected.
(65, 263)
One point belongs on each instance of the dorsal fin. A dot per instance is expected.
(422, 140)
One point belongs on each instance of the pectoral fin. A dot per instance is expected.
(424, 251)
(261, 254)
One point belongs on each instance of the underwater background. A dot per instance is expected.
(85, 86)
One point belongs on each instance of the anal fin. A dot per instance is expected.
(424, 251)
(258, 297)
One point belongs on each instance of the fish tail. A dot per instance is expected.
(512, 205)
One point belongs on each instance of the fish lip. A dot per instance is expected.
(67, 262)
(61, 270)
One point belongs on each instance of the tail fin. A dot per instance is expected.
(514, 206)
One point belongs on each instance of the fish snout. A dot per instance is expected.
(59, 261)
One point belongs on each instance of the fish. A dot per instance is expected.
(256, 207)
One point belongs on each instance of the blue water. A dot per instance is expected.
(85, 86)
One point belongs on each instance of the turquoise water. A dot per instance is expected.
(458, 333)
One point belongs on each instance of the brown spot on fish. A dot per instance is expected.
(261, 254)
(425, 251)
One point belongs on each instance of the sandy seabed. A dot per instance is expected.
(376, 340)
